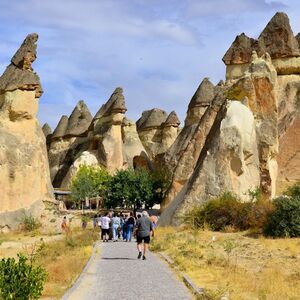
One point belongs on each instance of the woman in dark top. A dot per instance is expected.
(130, 224)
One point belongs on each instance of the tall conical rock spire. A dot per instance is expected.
(152, 118)
(46, 129)
(278, 39)
(19, 74)
(172, 120)
(203, 95)
(115, 104)
(240, 50)
(79, 120)
(61, 127)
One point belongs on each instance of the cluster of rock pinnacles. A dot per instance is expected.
(238, 135)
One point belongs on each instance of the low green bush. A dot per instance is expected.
(228, 211)
(21, 280)
(218, 213)
(284, 221)
(29, 222)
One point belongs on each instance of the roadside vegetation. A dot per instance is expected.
(244, 265)
(61, 257)
(247, 250)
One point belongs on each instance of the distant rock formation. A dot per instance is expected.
(48, 134)
(107, 131)
(24, 170)
(67, 140)
(109, 140)
(157, 130)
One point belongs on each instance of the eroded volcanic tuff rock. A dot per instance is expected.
(277, 39)
(109, 140)
(252, 139)
(24, 170)
(157, 130)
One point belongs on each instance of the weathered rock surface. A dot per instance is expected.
(79, 120)
(277, 39)
(24, 170)
(228, 162)
(107, 131)
(134, 153)
(240, 50)
(182, 156)
(67, 141)
(157, 130)
(48, 134)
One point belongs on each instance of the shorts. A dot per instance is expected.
(104, 231)
(140, 239)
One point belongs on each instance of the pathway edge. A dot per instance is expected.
(69, 292)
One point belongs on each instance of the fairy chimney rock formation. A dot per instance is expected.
(277, 39)
(61, 127)
(48, 134)
(134, 153)
(172, 120)
(19, 74)
(46, 130)
(107, 131)
(157, 130)
(24, 170)
(199, 102)
(79, 120)
(70, 133)
(113, 110)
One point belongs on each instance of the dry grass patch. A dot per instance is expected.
(65, 259)
(63, 256)
(246, 267)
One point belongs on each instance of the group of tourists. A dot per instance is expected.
(122, 227)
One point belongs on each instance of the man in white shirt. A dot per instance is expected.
(105, 227)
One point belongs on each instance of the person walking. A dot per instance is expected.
(116, 222)
(143, 231)
(129, 224)
(124, 227)
(105, 227)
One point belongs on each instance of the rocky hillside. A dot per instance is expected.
(246, 137)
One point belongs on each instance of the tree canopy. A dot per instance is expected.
(90, 181)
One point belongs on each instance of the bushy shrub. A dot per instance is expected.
(219, 212)
(284, 221)
(258, 212)
(21, 280)
(228, 211)
(293, 191)
(29, 222)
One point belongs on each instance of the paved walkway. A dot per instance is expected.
(114, 272)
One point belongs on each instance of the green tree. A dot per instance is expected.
(135, 189)
(90, 181)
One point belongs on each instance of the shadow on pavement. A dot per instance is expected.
(117, 258)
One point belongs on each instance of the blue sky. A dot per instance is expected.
(157, 50)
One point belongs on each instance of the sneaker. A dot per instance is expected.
(144, 257)
(140, 255)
